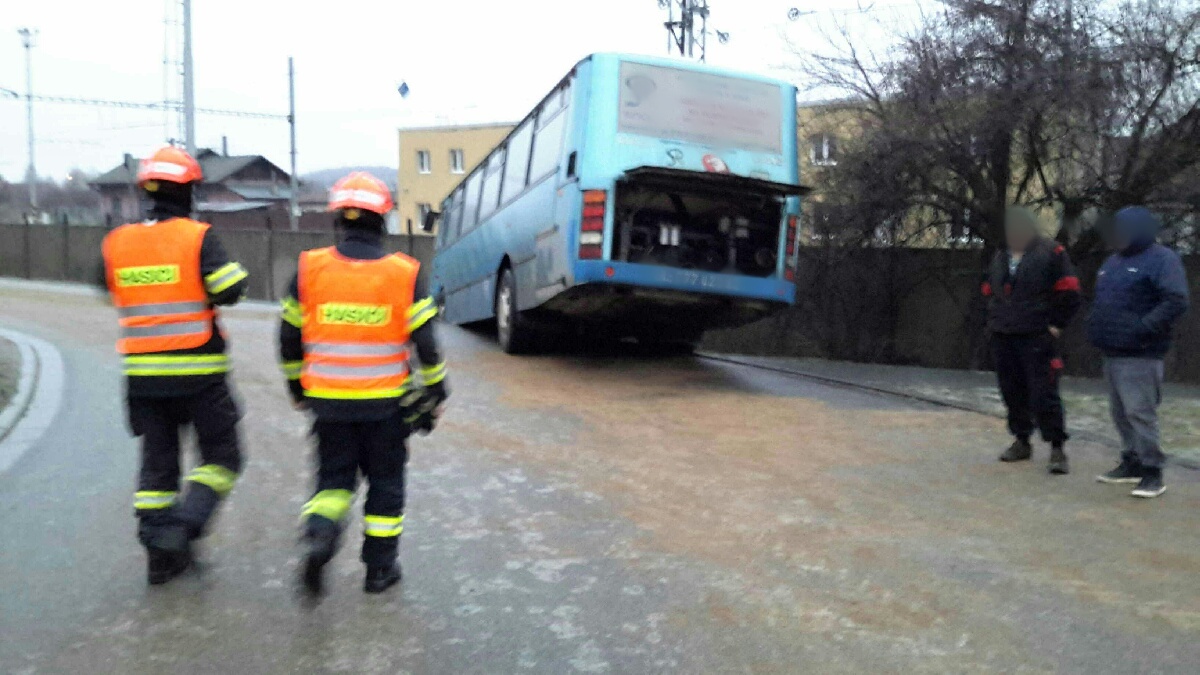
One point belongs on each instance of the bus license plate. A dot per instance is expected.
(697, 279)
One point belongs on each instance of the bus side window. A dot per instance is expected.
(490, 199)
(548, 144)
(446, 224)
(517, 173)
(453, 218)
(471, 202)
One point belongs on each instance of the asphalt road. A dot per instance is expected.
(601, 514)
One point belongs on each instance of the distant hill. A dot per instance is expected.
(325, 178)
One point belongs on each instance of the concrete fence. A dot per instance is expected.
(72, 253)
(920, 307)
(909, 306)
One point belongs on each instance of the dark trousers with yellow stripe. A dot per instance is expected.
(158, 421)
(377, 449)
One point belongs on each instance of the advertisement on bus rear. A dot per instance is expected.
(703, 108)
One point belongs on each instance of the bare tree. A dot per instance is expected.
(1128, 115)
(986, 102)
(1080, 107)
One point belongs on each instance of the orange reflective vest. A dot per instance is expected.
(355, 324)
(154, 278)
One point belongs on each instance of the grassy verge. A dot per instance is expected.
(10, 371)
(1178, 418)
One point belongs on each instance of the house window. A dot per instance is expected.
(456, 161)
(423, 210)
(824, 150)
(423, 163)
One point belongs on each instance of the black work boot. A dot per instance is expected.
(197, 509)
(1019, 451)
(321, 538)
(1058, 465)
(168, 554)
(1151, 484)
(379, 579)
(1128, 471)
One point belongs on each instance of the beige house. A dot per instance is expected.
(433, 160)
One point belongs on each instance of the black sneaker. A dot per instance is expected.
(1126, 472)
(379, 579)
(1019, 451)
(1151, 484)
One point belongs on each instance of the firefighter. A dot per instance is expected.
(347, 320)
(166, 275)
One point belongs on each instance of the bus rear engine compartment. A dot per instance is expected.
(693, 230)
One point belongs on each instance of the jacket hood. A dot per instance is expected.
(1136, 227)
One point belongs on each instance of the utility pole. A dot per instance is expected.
(294, 200)
(28, 37)
(189, 92)
(682, 34)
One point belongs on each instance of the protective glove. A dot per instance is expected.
(297, 394)
(421, 408)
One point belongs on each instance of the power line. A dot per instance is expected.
(72, 100)
(796, 13)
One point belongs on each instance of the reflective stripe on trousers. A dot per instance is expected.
(329, 504)
(147, 500)
(383, 526)
(215, 476)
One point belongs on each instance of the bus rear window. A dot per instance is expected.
(694, 107)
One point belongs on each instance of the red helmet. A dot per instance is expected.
(170, 164)
(361, 190)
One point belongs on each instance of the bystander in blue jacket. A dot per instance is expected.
(1141, 293)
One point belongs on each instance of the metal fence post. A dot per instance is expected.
(271, 293)
(66, 245)
(28, 249)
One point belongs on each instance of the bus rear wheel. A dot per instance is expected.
(513, 330)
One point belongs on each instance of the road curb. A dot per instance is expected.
(38, 398)
(932, 400)
(26, 382)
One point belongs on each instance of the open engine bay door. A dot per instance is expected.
(716, 183)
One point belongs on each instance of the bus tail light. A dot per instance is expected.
(591, 235)
(790, 260)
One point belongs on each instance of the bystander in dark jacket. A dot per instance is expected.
(1042, 292)
(1032, 294)
(1141, 293)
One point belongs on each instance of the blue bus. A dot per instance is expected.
(643, 197)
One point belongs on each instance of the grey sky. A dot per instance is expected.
(466, 61)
